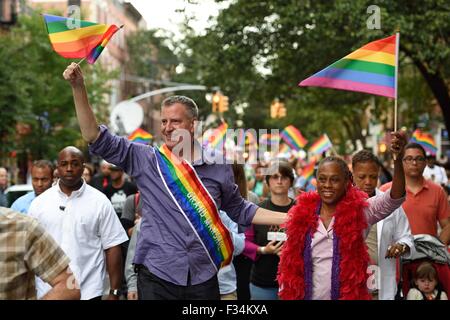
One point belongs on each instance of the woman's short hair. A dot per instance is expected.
(283, 167)
(340, 162)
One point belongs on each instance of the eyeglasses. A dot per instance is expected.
(277, 176)
(416, 159)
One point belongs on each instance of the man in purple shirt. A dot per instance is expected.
(172, 260)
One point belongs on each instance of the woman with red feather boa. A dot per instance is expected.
(325, 256)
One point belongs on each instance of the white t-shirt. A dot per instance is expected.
(84, 225)
(436, 174)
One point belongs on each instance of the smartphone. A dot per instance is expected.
(276, 236)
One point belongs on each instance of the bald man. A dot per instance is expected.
(83, 222)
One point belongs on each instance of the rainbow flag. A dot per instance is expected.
(284, 148)
(140, 136)
(215, 138)
(268, 139)
(370, 69)
(197, 206)
(293, 137)
(321, 145)
(85, 41)
(308, 170)
(426, 140)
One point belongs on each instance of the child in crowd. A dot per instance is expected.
(426, 285)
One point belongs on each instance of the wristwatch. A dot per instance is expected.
(115, 292)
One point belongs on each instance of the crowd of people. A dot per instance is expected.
(168, 223)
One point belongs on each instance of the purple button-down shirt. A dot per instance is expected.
(167, 245)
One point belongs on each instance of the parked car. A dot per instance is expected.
(16, 191)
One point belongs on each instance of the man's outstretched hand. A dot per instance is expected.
(74, 75)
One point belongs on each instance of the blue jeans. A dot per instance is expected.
(260, 293)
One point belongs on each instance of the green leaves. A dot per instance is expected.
(260, 50)
(34, 94)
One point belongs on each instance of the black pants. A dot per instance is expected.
(150, 287)
(243, 266)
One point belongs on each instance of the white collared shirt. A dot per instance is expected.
(84, 225)
(393, 229)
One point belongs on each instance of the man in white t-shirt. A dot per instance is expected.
(83, 222)
(435, 172)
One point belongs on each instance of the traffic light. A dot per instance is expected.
(281, 110)
(215, 102)
(223, 103)
(274, 110)
(277, 110)
(219, 102)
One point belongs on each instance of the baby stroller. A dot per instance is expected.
(427, 248)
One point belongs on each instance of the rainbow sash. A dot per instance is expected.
(196, 205)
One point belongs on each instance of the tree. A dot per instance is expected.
(35, 95)
(260, 50)
(150, 56)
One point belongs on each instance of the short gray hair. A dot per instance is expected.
(190, 105)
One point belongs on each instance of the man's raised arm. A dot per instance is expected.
(86, 118)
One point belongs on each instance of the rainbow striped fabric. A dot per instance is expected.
(87, 40)
(140, 136)
(370, 69)
(321, 145)
(308, 170)
(293, 137)
(215, 138)
(284, 148)
(268, 139)
(426, 140)
(196, 205)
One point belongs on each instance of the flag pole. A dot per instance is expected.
(397, 44)
(79, 62)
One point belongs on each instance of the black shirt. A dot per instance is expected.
(264, 271)
(118, 196)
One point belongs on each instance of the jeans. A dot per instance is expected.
(260, 293)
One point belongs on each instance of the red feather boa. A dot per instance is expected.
(350, 223)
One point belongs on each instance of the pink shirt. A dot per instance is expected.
(250, 248)
(379, 208)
